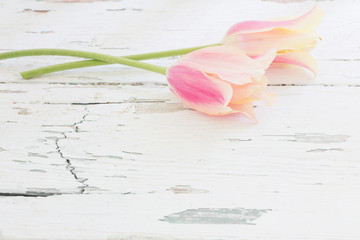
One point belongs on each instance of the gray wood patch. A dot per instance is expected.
(216, 216)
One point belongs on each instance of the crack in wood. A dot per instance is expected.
(135, 84)
(28, 194)
(33, 192)
(76, 124)
(159, 84)
(71, 168)
(131, 100)
(69, 164)
(88, 103)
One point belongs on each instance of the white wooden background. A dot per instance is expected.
(109, 152)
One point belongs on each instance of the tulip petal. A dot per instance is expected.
(228, 64)
(305, 23)
(246, 109)
(199, 91)
(267, 58)
(241, 92)
(300, 58)
(257, 43)
(252, 92)
(283, 73)
(269, 98)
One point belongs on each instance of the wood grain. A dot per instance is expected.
(110, 153)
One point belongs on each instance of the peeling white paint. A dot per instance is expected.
(105, 152)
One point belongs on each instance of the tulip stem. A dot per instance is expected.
(99, 59)
(90, 55)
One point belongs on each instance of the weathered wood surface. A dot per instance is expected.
(110, 153)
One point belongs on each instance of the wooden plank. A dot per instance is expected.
(110, 153)
(118, 142)
(298, 215)
(51, 22)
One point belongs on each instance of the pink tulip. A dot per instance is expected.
(221, 80)
(292, 38)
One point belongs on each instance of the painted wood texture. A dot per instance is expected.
(109, 152)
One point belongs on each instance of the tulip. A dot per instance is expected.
(292, 38)
(221, 80)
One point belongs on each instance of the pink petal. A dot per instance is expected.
(199, 91)
(267, 58)
(300, 58)
(228, 64)
(257, 43)
(305, 23)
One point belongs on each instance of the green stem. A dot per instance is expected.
(91, 63)
(90, 55)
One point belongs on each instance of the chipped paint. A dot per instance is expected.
(35, 10)
(134, 153)
(184, 153)
(326, 150)
(31, 154)
(24, 112)
(239, 140)
(19, 161)
(116, 9)
(319, 138)
(104, 156)
(159, 107)
(81, 1)
(313, 137)
(41, 32)
(292, 1)
(283, 1)
(38, 170)
(187, 189)
(116, 176)
(11, 91)
(216, 216)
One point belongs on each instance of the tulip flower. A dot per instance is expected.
(221, 80)
(292, 38)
